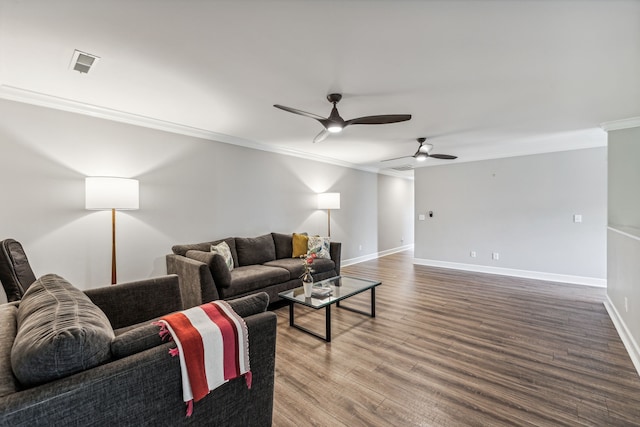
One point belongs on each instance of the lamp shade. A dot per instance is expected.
(329, 201)
(111, 193)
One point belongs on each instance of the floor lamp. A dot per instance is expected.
(329, 201)
(104, 193)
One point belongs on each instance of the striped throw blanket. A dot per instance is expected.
(213, 344)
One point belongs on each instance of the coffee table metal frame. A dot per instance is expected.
(342, 288)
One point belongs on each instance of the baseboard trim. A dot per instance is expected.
(538, 275)
(376, 255)
(627, 339)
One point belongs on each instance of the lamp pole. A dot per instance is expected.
(113, 247)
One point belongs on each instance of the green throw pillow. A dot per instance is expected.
(225, 251)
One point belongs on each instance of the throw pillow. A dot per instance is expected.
(251, 304)
(60, 332)
(319, 246)
(136, 340)
(300, 243)
(225, 251)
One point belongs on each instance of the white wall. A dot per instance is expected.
(521, 208)
(395, 210)
(624, 237)
(191, 190)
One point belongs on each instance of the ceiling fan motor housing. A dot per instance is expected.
(334, 98)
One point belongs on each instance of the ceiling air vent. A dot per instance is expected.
(82, 61)
(403, 168)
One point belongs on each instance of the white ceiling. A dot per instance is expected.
(482, 79)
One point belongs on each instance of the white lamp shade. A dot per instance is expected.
(329, 201)
(111, 193)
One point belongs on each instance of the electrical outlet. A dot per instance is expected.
(626, 305)
(472, 254)
(495, 256)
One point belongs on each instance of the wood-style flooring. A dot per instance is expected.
(453, 348)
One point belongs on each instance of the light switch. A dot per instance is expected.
(421, 217)
(577, 218)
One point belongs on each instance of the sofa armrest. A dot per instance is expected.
(217, 266)
(135, 302)
(335, 249)
(196, 283)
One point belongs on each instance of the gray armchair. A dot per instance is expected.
(15, 272)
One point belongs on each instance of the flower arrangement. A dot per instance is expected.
(307, 261)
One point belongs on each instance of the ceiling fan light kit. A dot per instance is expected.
(423, 153)
(335, 123)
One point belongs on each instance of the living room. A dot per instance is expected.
(513, 211)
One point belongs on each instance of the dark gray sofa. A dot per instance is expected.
(144, 387)
(262, 264)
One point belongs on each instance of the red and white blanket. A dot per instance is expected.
(213, 344)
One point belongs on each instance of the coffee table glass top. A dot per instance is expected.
(341, 287)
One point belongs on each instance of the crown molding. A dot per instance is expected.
(25, 96)
(632, 122)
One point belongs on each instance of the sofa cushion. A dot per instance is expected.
(60, 332)
(255, 250)
(320, 246)
(300, 244)
(283, 245)
(206, 247)
(217, 265)
(296, 267)
(254, 277)
(224, 251)
(8, 329)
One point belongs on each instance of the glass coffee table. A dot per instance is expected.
(342, 287)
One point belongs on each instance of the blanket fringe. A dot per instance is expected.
(248, 377)
(164, 331)
(174, 351)
(189, 408)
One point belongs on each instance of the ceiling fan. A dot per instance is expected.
(334, 123)
(424, 152)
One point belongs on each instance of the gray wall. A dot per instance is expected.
(395, 210)
(520, 207)
(191, 190)
(624, 231)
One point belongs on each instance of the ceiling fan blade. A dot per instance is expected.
(300, 112)
(379, 120)
(321, 136)
(396, 158)
(443, 156)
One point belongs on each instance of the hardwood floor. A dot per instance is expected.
(451, 348)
